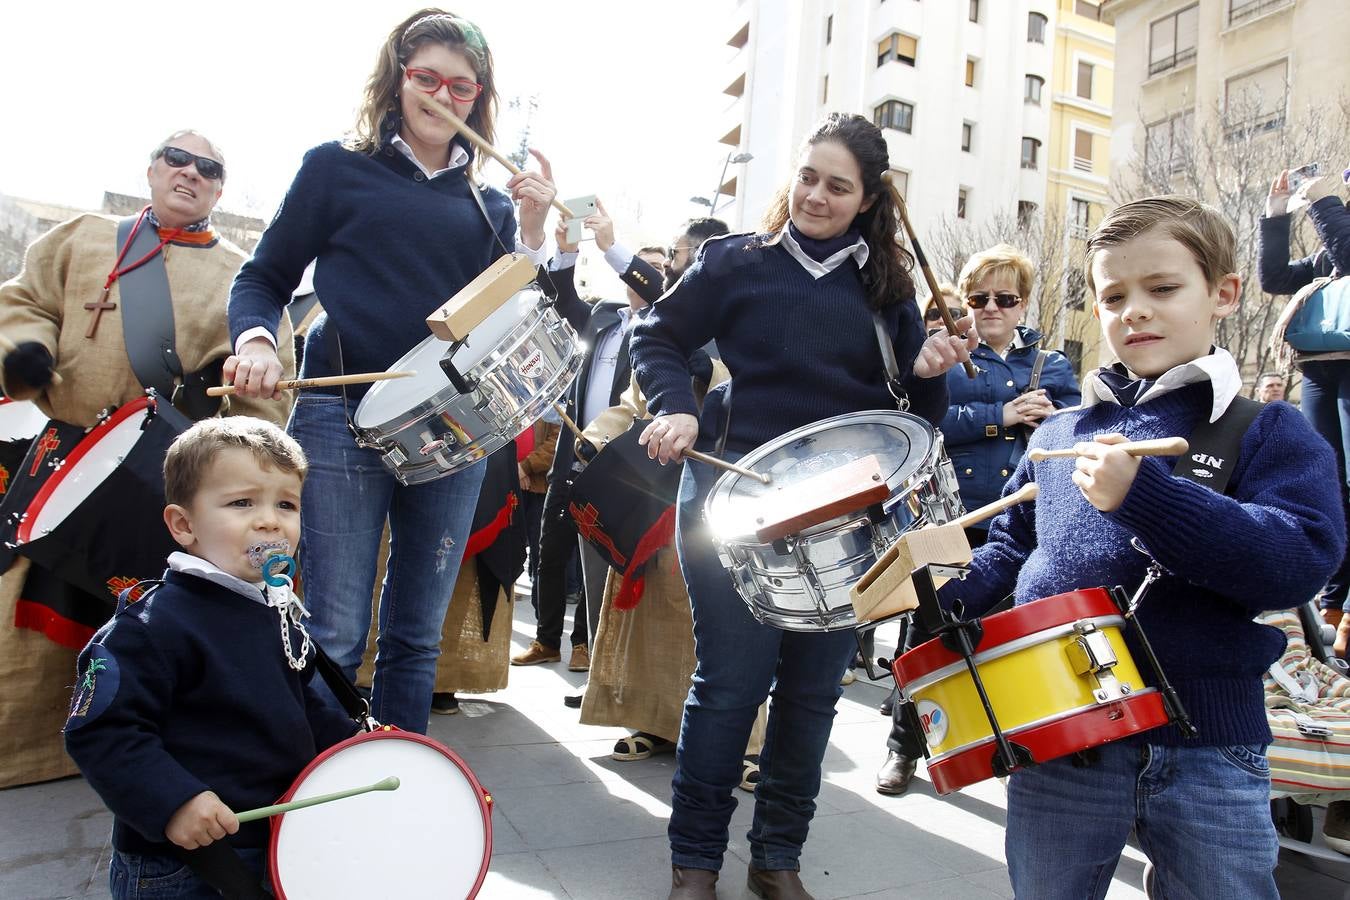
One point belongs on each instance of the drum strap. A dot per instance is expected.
(1214, 446)
(1036, 368)
(893, 379)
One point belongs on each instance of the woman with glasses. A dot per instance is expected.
(397, 224)
(791, 310)
(932, 313)
(986, 428)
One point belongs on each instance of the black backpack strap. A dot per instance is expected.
(353, 704)
(1214, 446)
(147, 312)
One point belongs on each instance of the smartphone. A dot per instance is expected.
(1303, 174)
(580, 207)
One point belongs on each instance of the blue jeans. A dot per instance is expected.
(133, 876)
(739, 662)
(348, 495)
(1326, 405)
(1201, 815)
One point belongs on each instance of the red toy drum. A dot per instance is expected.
(1059, 677)
(430, 838)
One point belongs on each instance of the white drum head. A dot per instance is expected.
(19, 420)
(89, 465)
(389, 400)
(428, 839)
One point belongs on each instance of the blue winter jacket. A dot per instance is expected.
(982, 451)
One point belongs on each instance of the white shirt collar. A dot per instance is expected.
(195, 565)
(858, 250)
(1218, 368)
(458, 156)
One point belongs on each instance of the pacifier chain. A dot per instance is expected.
(278, 574)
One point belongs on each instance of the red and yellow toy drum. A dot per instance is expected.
(1059, 676)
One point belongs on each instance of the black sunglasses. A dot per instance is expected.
(1004, 299)
(206, 166)
(933, 314)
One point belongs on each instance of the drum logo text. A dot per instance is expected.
(934, 721)
(533, 365)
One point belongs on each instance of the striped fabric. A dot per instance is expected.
(1307, 765)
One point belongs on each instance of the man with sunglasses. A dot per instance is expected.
(685, 247)
(66, 348)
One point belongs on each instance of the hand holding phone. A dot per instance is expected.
(580, 208)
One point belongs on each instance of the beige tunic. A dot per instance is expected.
(63, 270)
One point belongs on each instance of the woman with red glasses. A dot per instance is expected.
(397, 224)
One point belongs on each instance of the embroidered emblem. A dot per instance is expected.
(96, 688)
(4, 479)
(590, 529)
(119, 583)
(45, 444)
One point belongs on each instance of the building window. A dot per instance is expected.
(895, 114)
(967, 135)
(1085, 80)
(898, 47)
(1036, 28)
(1026, 212)
(1241, 9)
(1168, 143)
(1031, 150)
(1171, 40)
(974, 10)
(1080, 211)
(900, 179)
(829, 28)
(1074, 351)
(1090, 10)
(1082, 151)
(970, 72)
(1031, 89)
(962, 202)
(1256, 101)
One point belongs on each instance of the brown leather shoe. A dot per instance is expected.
(536, 654)
(692, 884)
(581, 659)
(776, 884)
(896, 773)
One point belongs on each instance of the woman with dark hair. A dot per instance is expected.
(791, 310)
(396, 224)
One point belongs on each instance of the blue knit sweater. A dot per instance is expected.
(799, 349)
(1270, 543)
(391, 247)
(192, 692)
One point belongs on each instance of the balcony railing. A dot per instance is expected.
(1241, 9)
(1180, 58)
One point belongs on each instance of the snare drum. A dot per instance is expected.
(98, 521)
(430, 838)
(802, 582)
(1059, 677)
(509, 369)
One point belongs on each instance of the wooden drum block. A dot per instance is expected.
(481, 297)
(886, 588)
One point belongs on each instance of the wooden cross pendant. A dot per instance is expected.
(97, 309)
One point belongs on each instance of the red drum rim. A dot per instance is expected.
(1000, 628)
(87, 443)
(1080, 731)
(387, 732)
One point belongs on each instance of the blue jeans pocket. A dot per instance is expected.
(136, 877)
(1250, 758)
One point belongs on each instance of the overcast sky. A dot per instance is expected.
(629, 93)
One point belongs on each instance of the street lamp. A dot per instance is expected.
(732, 157)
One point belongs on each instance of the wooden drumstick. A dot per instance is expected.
(472, 137)
(6, 346)
(1173, 446)
(1026, 492)
(263, 812)
(296, 384)
(923, 265)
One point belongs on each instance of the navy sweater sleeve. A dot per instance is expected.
(295, 236)
(1331, 218)
(682, 321)
(995, 564)
(120, 751)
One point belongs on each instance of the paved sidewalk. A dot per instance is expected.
(570, 822)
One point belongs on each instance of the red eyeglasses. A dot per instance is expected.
(465, 90)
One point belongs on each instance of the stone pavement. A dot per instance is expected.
(570, 822)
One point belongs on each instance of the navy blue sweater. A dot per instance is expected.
(1281, 275)
(391, 247)
(1270, 543)
(799, 349)
(190, 691)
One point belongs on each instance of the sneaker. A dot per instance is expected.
(536, 654)
(444, 704)
(1336, 829)
(581, 659)
(848, 678)
(573, 701)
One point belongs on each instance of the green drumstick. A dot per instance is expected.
(262, 812)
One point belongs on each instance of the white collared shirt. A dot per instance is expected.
(1218, 368)
(204, 569)
(604, 363)
(857, 250)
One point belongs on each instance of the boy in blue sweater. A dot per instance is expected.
(1161, 272)
(196, 700)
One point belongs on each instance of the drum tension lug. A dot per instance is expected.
(875, 514)
(780, 547)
